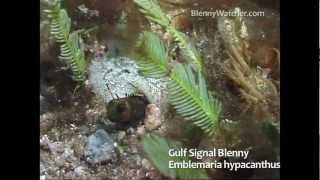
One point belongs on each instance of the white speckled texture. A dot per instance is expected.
(119, 77)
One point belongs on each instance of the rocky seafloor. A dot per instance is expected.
(78, 141)
(83, 145)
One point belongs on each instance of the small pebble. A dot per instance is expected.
(141, 130)
(99, 147)
(59, 161)
(79, 171)
(146, 164)
(152, 119)
(121, 135)
(130, 131)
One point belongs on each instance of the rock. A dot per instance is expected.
(68, 154)
(121, 135)
(92, 115)
(154, 174)
(133, 150)
(44, 141)
(59, 161)
(99, 147)
(84, 130)
(131, 173)
(47, 120)
(115, 78)
(138, 160)
(141, 130)
(152, 119)
(80, 172)
(42, 168)
(69, 175)
(130, 131)
(146, 164)
(140, 174)
(54, 147)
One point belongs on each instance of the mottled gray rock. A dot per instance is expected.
(68, 154)
(121, 135)
(47, 120)
(99, 147)
(79, 171)
(59, 161)
(54, 147)
(119, 77)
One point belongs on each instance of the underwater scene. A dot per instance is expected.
(159, 89)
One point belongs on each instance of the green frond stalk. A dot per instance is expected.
(153, 56)
(192, 100)
(151, 9)
(72, 52)
(71, 45)
(187, 93)
(188, 50)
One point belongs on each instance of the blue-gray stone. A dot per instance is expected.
(99, 147)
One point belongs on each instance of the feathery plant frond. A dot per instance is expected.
(60, 23)
(188, 49)
(192, 100)
(157, 148)
(73, 54)
(153, 56)
(72, 51)
(151, 9)
(187, 93)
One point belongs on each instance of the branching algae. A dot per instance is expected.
(253, 83)
(71, 46)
